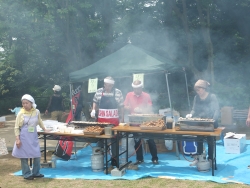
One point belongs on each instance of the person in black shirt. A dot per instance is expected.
(205, 106)
(55, 106)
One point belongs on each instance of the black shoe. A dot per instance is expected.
(39, 176)
(138, 162)
(113, 162)
(29, 178)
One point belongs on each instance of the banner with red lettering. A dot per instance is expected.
(109, 116)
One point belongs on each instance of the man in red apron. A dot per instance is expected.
(109, 102)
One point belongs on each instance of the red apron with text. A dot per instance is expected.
(108, 110)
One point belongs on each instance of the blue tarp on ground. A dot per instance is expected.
(230, 168)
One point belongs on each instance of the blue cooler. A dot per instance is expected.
(189, 147)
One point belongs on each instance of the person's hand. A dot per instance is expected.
(92, 114)
(188, 115)
(18, 143)
(248, 122)
(138, 110)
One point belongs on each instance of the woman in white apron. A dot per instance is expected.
(27, 144)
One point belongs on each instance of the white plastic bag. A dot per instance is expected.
(169, 144)
(3, 147)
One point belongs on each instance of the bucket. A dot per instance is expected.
(97, 163)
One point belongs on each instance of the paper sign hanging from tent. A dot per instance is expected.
(92, 87)
(138, 77)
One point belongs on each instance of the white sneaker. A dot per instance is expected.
(194, 163)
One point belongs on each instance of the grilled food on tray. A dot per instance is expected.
(195, 119)
(93, 129)
(157, 123)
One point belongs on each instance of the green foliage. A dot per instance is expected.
(44, 41)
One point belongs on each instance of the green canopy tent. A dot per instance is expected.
(124, 62)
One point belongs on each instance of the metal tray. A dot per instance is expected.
(89, 123)
(188, 125)
(196, 122)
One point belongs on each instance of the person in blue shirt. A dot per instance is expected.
(16, 110)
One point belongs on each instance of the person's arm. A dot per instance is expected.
(18, 125)
(94, 106)
(248, 118)
(63, 107)
(194, 106)
(12, 110)
(48, 107)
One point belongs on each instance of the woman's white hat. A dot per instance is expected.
(29, 98)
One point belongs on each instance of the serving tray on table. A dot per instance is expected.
(79, 124)
(93, 133)
(196, 124)
(93, 130)
(153, 125)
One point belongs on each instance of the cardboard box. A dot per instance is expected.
(234, 143)
(2, 121)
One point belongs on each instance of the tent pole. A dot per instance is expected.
(186, 87)
(169, 98)
(70, 87)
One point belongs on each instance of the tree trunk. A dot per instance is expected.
(190, 46)
(205, 28)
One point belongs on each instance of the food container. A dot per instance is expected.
(68, 129)
(62, 129)
(108, 131)
(93, 130)
(137, 119)
(93, 133)
(159, 124)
